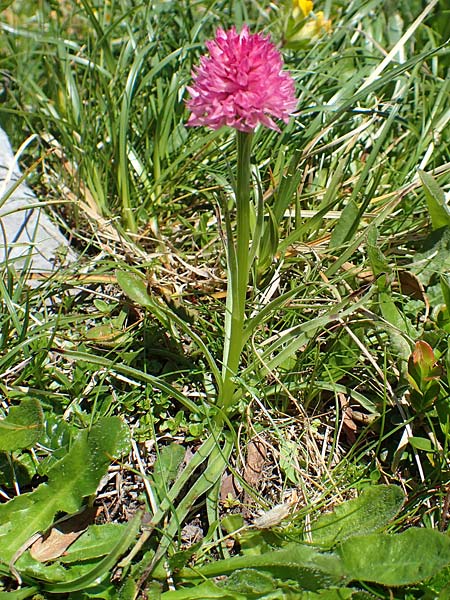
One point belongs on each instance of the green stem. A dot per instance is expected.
(238, 268)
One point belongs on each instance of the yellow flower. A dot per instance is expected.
(322, 25)
(301, 8)
(315, 27)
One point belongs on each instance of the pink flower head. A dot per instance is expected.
(241, 83)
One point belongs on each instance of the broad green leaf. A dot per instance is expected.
(97, 541)
(70, 479)
(108, 334)
(210, 590)
(249, 582)
(371, 511)
(181, 558)
(129, 589)
(421, 443)
(135, 288)
(232, 522)
(206, 591)
(341, 593)
(311, 569)
(401, 328)
(401, 559)
(435, 197)
(53, 572)
(103, 591)
(166, 467)
(23, 426)
(433, 259)
(378, 261)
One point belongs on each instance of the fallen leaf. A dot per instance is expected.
(256, 457)
(229, 488)
(62, 535)
(411, 286)
(349, 427)
(274, 516)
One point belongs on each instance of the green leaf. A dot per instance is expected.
(217, 461)
(129, 589)
(97, 541)
(371, 511)
(306, 565)
(435, 197)
(108, 334)
(52, 573)
(16, 468)
(341, 593)
(289, 460)
(434, 258)
(206, 591)
(401, 559)
(401, 328)
(441, 583)
(79, 559)
(103, 591)
(250, 582)
(346, 224)
(166, 467)
(23, 426)
(378, 262)
(19, 594)
(70, 479)
(135, 288)
(269, 242)
(445, 287)
(421, 443)
(232, 522)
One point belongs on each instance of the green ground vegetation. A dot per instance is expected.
(330, 477)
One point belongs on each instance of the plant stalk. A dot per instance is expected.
(238, 272)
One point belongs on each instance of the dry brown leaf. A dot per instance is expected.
(349, 427)
(412, 287)
(228, 488)
(61, 536)
(256, 457)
